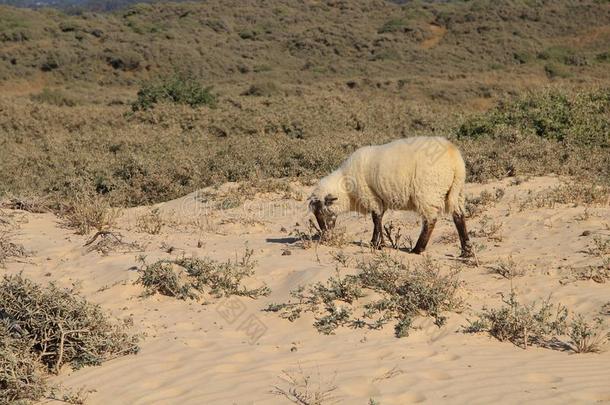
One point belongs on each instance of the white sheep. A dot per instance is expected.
(421, 174)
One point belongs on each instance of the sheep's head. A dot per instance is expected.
(323, 211)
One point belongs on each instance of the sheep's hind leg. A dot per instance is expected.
(424, 236)
(377, 240)
(460, 224)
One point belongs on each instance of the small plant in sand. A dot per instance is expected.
(394, 235)
(313, 236)
(520, 324)
(587, 338)
(489, 228)
(9, 250)
(86, 212)
(404, 293)
(150, 222)
(600, 247)
(478, 204)
(43, 328)
(188, 278)
(303, 389)
(508, 269)
(574, 193)
(599, 274)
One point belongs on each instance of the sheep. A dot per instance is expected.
(421, 174)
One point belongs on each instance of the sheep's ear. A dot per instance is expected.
(329, 199)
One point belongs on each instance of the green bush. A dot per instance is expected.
(393, 25)
(582, 118)
(176, 89)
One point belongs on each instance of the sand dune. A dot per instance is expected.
(195, 353)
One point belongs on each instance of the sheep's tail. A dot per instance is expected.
(455, 199)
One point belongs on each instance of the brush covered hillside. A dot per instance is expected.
(155, 243)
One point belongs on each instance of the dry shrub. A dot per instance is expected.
(508, 269)
(489, 228)
(9, 250)
(575, 193)
(150, 222)
(522, 324)
(303, 389)
(600, 273)
(405, 294)
(313, 236)
(188, 278)
(541, 325)
(110, 242)
(60, 326)
(21, 374)
(588, 338)
(234, 197)
(86, 212)
(397, 239)
(478, 204)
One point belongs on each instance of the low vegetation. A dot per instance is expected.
(541, 325)
(189, 278)
(403, 292)
(177, 89)
(44, 328)
(301, 388)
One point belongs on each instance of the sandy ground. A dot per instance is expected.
(231, 352)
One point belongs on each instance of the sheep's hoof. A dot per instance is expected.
(377, 245)
(416, 251)
(466, 254)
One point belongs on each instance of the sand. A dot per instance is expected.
(231, 352)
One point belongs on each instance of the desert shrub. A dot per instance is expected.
(21, 374)
(478, 204)
(85, 212)
(61, 326)
(579, 118)
(508, 269)
(177, 89)
(405, 294)
(520, 324)
(488, 228)
(312, 236)
(301, 388)
(262, 89)
(188, 278)
(574, 193)
(150, 222)
(54, 97)
(9, 249)
(393, 25)
(587, 338)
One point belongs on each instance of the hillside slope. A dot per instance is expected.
(302, 42)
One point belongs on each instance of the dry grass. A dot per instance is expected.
(10, 250)
(304, 389)
(508, 269)
(86, 213)
(150, 222)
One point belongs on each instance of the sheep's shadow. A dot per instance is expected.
(286, 240)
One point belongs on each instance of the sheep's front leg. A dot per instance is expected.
(460, 224)
(377, 240)
(424, 236)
